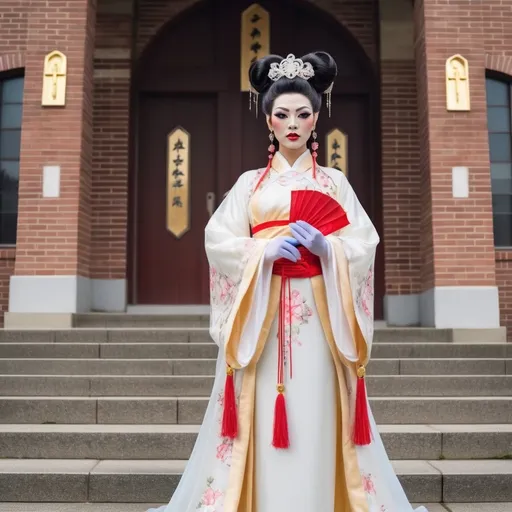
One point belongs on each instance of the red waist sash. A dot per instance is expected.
(308, 266)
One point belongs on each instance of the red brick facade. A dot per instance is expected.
(430, 238)
(401, 177)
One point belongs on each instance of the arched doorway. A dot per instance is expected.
(189, 77)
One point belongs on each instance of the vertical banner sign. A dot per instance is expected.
(337, 151)
(255, 40)
(178, 182)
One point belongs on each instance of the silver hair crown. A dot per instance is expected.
(291, 68)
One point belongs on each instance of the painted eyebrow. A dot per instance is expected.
(288, 110)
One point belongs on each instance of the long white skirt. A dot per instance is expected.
(300, 478)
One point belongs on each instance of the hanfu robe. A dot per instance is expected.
(329, 330)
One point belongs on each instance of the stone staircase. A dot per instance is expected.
(108, 413)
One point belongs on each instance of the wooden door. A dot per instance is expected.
(174, 270)
(190, 75)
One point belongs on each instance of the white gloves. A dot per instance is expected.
(282, 247)
(310, 238)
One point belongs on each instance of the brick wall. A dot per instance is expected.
(111, 140)
(462, 238)
(54, 234)
(13, 27)
(400, 177)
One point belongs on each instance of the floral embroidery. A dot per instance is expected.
(222, 288)
(326, 182)
(367, 294)
(210, 498)
(368, 485)
(297, 312)
(255, 179)
(225, 451)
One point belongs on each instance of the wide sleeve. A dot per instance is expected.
(239, 277)
(349, 279)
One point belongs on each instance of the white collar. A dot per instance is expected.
(303, 163)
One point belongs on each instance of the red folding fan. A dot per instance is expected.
(318, 209)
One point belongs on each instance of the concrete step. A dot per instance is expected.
(190, 385)
(142, 507)
(206, 348)
(201, 366)
(196, 330)
(190, 410)
(139, 320)
(109, 335)
(109, 350)
(63, 480)
(175, 442)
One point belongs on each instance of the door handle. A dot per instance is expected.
(210, 203)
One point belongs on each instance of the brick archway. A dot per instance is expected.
(162, 12)
(10, 61)
(499, 63)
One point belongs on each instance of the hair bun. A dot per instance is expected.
(325, 70)
(258, 72)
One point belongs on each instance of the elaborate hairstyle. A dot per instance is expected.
(324, 73)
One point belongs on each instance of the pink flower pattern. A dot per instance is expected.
(368, 484)
(225, 451)
(326, 182)
(210, 498)
(297, 312)
(367, 294)
(222, 287)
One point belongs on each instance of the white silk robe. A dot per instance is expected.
(331, 319)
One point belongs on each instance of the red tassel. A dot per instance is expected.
(362, 433)
(281, 438)
(229, 417)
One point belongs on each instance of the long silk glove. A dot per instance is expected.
(282, 247)
(310, 238)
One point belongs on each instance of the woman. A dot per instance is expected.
(288, 426)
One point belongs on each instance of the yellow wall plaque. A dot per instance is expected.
(54, 80)
(255, 40)
(457, 84)
(337, 150)
(178, 182)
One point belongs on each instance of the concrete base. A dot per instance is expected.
(109, 295)
(51, 301)
(402, 310)
(445, 307)
(460, 307)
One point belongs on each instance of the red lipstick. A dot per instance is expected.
(292, 136)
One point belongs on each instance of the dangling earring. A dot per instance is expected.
(314, 147)
(271, 151)
(271, 148)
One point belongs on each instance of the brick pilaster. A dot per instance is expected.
(54, 234)
(457, 244)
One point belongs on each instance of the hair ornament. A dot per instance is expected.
(291, 67)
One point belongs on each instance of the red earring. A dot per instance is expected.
(314, 147)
